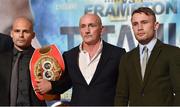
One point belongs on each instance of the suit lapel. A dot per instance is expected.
(137, 63)
(153, 57)
(104, 58)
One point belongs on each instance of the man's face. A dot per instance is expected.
(22, 33)
(144, 27)
(90, 29)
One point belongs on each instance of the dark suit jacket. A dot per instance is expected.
(5, 79)
(101, 90)
(161, 81)
(5, 42)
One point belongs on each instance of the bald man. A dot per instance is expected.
(22, 35)
(91, 68)
(15, 9)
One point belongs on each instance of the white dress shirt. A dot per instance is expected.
(88, 66)
(150, 47)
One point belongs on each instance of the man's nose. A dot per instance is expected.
(87, 30)
(140, 27)
(21, 34)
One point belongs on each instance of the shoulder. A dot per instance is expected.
(167, 48)
(132, 53)
(170, 47)
(4, 37)
(6, 42)
(113, 47)
(72, 51)
(170, 50)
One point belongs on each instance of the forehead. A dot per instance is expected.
(21, 23)
(89, 19)
(141, 16)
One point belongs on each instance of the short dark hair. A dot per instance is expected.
(145, 10)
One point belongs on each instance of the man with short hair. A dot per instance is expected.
(16, 89)
(150, 73)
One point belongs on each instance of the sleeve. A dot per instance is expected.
(64, 83)
(175, 75)
(122, 94)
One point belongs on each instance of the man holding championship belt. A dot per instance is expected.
(16, 89)
(91, 68)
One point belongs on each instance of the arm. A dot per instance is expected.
(175, 75)
(64, 83)
(122, 95)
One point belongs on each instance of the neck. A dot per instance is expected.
(91, 49)
(18, 48)
(21, 48)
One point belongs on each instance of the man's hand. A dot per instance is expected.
(43, 86)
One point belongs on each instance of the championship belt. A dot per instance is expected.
(46, 63)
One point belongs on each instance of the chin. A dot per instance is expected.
(143, 42)
(142, 39)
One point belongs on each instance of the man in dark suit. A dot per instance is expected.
(150, 73)
(22, 34)
(91, 68)
(5, 42)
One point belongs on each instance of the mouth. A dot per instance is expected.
(21, 41)
(87, 35)
(140, 34)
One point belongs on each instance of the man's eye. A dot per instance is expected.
(144, 22)
(82, 26)
(92, 25)
(27, 31)
(134, 24)
(16, 30)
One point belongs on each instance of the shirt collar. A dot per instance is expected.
(150, 45)
(98, 51)
(15, 51)
(26, 51)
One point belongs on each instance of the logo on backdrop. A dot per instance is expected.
(57, 22)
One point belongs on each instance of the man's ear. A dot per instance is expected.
(156, 25)
(102, 30)
(33, 34)
(11, 34)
